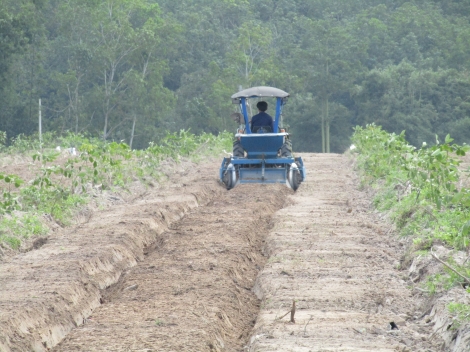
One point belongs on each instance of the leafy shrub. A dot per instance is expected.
(419, 188)
(60, 187)
(432, 172)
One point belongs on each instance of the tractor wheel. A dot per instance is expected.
(294, 177)
(230, 178)
(226, 180)
(286, 149)
(296, 180)
(238, 151)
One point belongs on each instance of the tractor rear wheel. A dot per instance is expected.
(296, 180)
(238, 151)
(286, 149)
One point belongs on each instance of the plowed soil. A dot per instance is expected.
(189, 266)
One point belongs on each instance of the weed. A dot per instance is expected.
(15, 228)
(159, 322)
(460, 311)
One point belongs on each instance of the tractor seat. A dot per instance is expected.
(262, 129)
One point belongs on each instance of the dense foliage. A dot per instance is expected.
(422, 191)
(133, 69)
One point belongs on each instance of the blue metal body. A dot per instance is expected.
(262, 162)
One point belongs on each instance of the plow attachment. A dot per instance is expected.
(289, 171)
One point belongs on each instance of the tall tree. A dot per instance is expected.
(332, 61)
(21, 32)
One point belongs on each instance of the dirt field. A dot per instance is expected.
(189, 266)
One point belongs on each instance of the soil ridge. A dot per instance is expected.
(50, 291)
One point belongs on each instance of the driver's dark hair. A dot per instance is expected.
(262, 106)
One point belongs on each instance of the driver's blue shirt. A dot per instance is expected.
(262, 119)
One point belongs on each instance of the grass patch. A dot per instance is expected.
(15, 229)
(461, 313)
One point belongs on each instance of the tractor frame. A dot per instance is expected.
(262, 157)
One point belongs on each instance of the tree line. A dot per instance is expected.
(131, 70)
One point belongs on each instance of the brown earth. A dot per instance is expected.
(189, 266)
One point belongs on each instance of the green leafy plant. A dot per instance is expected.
(9, 201)
(419, 189)
(460, 311)
(434, 170)
(14, 229)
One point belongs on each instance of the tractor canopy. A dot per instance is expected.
(259, 92)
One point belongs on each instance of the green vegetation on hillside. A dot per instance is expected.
(419, 187)
(62, 184)
(421, 190)
(130, 70)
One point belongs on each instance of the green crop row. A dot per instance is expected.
(60, 186)
(421, 191)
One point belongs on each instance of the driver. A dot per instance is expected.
(262, 119)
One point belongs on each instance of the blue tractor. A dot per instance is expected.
(263, 156)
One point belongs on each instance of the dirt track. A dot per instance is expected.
(177, 269)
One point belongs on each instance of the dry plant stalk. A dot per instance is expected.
(467, 280)
(292, 313)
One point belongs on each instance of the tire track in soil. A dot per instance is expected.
(193, 291)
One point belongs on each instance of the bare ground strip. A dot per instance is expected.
(332, 255)
(193, 291)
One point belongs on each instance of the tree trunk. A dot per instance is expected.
(323, 126)
(133, 130)
(327, 127)
(105, 128)
(327, 117)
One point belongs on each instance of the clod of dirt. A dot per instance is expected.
(39, 242)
